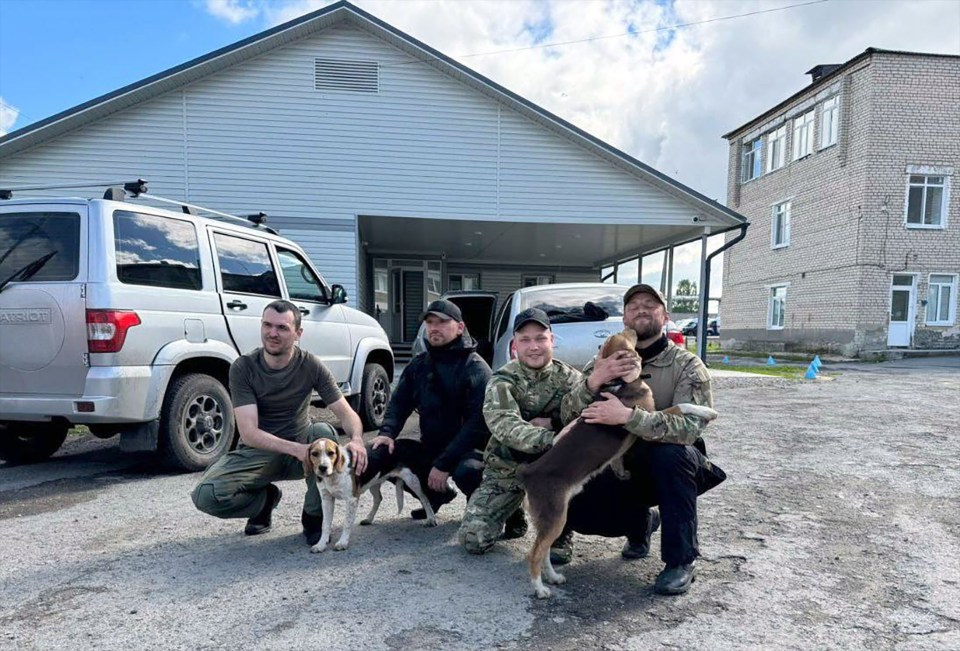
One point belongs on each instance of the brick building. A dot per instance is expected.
(855, 239)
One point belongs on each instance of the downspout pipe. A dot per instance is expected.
(705, 292)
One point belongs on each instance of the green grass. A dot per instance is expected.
(712, 347)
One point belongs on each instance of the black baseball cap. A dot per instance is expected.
(534, 314)
(444, 309)
(644, 288)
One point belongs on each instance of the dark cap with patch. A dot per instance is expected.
(444, 309)
(644, 288)
(531, 315)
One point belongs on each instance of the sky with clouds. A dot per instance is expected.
(659, 79)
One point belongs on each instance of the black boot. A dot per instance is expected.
(516, 526)
(676, 579)
(312, 527)
(561, 551)
(640, 547)
(436, 503)
(261, 522)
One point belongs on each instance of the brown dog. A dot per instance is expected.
(584, 451)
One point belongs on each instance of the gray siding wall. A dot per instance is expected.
(847, 233)
(258, 136)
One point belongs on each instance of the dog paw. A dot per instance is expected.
(543, 592)
(340, 546)
(556, 579)
(430, 522)
(316, 549)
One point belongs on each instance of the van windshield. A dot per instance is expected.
(28, 236)
(569, 304)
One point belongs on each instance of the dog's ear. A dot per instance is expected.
(609, 346)
(308, 469)
(631, 336)
(341, 459)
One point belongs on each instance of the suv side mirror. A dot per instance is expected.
(339, 294)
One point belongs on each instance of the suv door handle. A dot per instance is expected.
(237, 305)
(304, 311)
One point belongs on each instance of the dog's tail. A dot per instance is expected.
(700, 411)
(399, 485)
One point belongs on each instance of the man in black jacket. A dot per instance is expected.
(445, 385)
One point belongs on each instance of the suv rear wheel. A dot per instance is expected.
(196, 423)
(30, 442)
(374, 396)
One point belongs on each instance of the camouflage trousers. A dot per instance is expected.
(495, 500)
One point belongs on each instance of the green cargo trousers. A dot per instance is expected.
(235, 486)
(495, 500)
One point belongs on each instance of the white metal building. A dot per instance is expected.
(400, 171)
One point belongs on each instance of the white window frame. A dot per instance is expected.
(952, 299)
(803, 134)
(776, 149)
(782, 210)
(944, 197)
(462, 277)
(752, 150)
(830, 122)
(538, 279)
(771, 299)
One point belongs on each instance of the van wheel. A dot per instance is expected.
(196, 422)
(374, 396)
(30, 442)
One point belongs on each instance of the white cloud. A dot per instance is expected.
(233, 11)
(8, 117)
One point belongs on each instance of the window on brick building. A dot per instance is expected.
(829, 122)
(927, 201)
(780, 225)
(803, 135)
(750, 167)
(777, 306)
(776, 146)
(941, 300)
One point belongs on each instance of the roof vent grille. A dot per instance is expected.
(347, 75)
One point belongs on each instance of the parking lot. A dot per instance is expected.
(838, 528)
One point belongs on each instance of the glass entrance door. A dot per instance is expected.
(402, 290)
(902, 300)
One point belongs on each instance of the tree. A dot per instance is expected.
(686, 288)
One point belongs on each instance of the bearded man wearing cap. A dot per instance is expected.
(667, 464)
(522, 409)
(445, 384)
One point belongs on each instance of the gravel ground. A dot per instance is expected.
(838, 528)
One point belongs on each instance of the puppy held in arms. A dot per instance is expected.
(582, 452)
(330, 463)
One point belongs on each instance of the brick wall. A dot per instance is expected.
(847, 233)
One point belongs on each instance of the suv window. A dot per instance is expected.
(29, 236)
(245, 266)
(504, 317)
(594, 303)
(302, 283)
(156, 251)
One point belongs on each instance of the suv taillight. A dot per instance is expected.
(107, 329)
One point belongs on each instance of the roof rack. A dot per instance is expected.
(118, 191)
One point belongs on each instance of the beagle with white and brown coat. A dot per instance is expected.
(330, 463)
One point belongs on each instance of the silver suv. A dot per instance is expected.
(125, 317)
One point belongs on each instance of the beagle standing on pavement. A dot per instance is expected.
(583, 451)
(332, 466)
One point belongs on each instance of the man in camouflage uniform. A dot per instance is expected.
(522, 409)
(667, 464)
